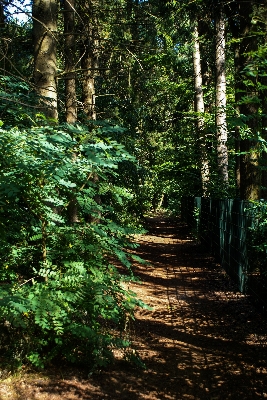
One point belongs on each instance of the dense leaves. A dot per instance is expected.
(60, 292)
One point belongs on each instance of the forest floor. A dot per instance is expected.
(201, 340)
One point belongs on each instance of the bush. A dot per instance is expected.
(60, 296)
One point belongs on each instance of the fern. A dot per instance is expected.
(58, 291)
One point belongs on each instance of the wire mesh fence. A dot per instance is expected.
(235, 232)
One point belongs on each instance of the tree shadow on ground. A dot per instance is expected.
(201, 340)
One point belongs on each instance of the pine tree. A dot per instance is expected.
(44, 14)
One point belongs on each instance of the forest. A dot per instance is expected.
(110, 110)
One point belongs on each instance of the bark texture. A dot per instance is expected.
(70, 47)
(44, 13)
(89, 59)
(200, 109)
(222, 150)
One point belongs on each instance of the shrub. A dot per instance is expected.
(60, 295)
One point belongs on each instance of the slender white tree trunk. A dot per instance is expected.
(222, 150)
(200, 109)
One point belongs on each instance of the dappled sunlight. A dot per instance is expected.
(200, 339)
(202, 327)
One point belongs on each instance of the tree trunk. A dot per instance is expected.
(70, 77)
(263, 95)
(44, 14)
(199, 109)
(89, 60)
(222, 150)
(250, 176)
(70, 86)
(237, 107)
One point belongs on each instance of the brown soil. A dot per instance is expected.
(202, 340)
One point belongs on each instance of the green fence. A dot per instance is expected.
(226, 229)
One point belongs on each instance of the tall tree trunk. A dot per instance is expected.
(250, 176)
(70, 86)
(44, 14)
(263, 80)
(237, 107)
(89, 60)
(70, 77)
(199, 109)
(222, 150)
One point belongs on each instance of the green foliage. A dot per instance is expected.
(60, 294)
(18, 102)
(257, 243)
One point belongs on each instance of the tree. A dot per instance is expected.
(250, 176)
(44, 14)
(70, 62)
(262, 12)
(200, 109)
(89, 57)
(221, 124)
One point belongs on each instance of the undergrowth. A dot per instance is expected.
(62, 218)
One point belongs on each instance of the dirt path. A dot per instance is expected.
(202, 340)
